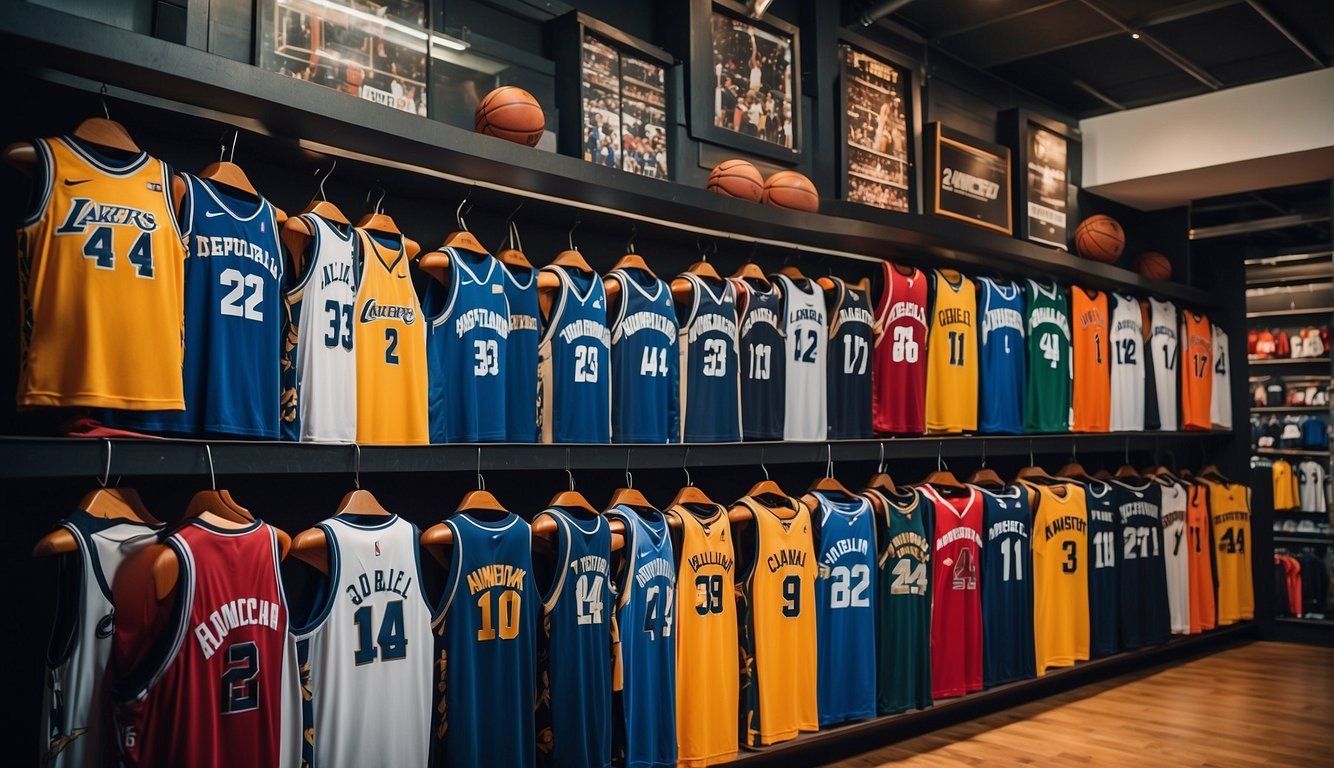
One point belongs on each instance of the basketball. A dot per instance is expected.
(1100, 238)
(511, 113)
(789, 189)
(737, 178)
(1154, 266)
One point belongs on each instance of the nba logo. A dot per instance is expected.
(377, 549)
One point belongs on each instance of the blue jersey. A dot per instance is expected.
(845, 608)
(851, 336)
(1001, 307)
(644, 646)
(573, 659)
(485, 632)
(1104, 545)
(521, 393)
(1142, 573)
(763, 359)
(710, 386)
(574, 362)
(644, 380)
(1007, 587)
(466, 350)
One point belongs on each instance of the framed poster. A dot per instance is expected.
(880, 127)
(745, 81)
(969, 179)
(1046, 156)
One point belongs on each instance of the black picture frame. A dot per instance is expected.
(787, 126)
(969, 179)
(1046, 175)
(909, 90)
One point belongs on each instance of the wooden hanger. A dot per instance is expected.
(682, 288)
(792, 271)
(766, 485)
(320, 206)
(942, 477)
(296, 232)
(227, 173)
(511, 252)
(571, 498)
(311, 545)
(751, 271)
(630, 261)
(375, 221)
(881, 481)
(105, 132)
(104, 502)
(985, 476)
(1211, 471)
(828, 483)
(689, 493)
(1033, 472)
(439, 536)
(628, 495)
(1103, 475)
(461, 238)
(1127, 472)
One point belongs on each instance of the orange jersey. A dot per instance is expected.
(1091, 352)
(1202, 615)
(390, 344)
(1197, 371)
(101, 284)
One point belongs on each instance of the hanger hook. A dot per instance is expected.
(379, 201)
(1074, 451)
(481, 481)
(829, 459)
(984, 453)
(326, 176)
(685, 461)
(629, 478)
(1030, 453)
(763, 468)
(106, 470)
(102, 94)
(236, 136)
(880, 469)
(212, 477)
(356, 465)
(222, 147)
(460, 211)
(940, 458)
(512, 230)
(630, 244)
(570, 234)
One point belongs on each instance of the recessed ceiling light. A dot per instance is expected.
(1134, 35)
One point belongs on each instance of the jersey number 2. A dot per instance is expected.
(240, 689)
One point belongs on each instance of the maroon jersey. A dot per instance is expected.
(216, 685)
(898, 375)
(956, 611)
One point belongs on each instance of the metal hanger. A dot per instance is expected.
(828, 483)
(628, 495)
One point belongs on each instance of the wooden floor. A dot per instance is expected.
(1263, 704)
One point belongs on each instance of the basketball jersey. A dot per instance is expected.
(956, 612)
(645, 382)
(390, 343)
(763, 364)
(805, 329)
(1220, 401)
(643, 643)
(521, 392)
(573, 361)
(903, 603)
(1230, 514)
(951, 392)
(1202, 607)
(1104, 542)
(707, 669)
(1007, 587)
(220, 677)
(898, 376)
(485, 635)
(100, 283)
(324, 362)
(365, 654)
(851, 329)
(1164, 353)
(573, 663)
(75, 701)
(1003, 365)
(1092, 360)
(1142, 572)
(1047, 394)
(1176, 552)
(1127, 365)
(845, 607)
(710, 382)
(1060, 576)
(1197, 375)
(776, 614)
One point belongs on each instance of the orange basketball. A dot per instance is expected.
(1100, 238)
(789, 189)
(737, 178)
(511, 113)
(1154, 266)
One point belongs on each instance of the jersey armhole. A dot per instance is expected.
(563, 546)
(43, 179)
(621, 581)
(324, 592)
(71, 596)
(455, 574)
(162, 650)
(185, 214)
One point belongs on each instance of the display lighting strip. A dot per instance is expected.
(444, 41)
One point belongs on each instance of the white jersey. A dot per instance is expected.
(1127, 365)
(75, 699)
(805, 324)
(1164, 353)
(326, 367)
(1178, 558)
(1311, 486)
(1220, 406)
(366, 653)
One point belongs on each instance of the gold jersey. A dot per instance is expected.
(951, 355)
(1060, 575)
(1230, 512)
(390, 344)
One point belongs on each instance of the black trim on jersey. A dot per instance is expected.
(318, 600)
(162, 649)
(69, 599)
(39, 193)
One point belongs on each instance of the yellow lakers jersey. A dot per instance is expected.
(390, 344)
(1230, 511)
(1060, 575)
(951, 355)
(776, 615)
(101, 284)
(706, 631)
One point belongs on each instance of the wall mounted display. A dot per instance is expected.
(880, 127)
(745, 81)
(969, 179)
(1046, 178)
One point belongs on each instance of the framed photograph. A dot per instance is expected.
(745, 81)
(1046, 181)
(969, 179)
(880, 128)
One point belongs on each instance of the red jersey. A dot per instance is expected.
(956, 610)
(898, 375)
(217, 685)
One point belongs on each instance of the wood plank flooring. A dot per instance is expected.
(1263, 704)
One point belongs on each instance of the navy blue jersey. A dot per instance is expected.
(574, 361)
(1104, 545)
(710, 386)
(467, 350)
(851, 335)
(845, 607)
(1142, 573)
(521, 393)
(573, 659)
(643, 644)
(1001, 306)
(645, 385)
(485, 636)
(763, 371)
(1007, 587)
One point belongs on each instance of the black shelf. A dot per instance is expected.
(1329, 622)
(1289, 409)
(1314, 538)
(1290, 361)
(1291, 452)
(1290, 312)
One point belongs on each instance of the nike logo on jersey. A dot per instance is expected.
(214, 214)
(76, 182)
